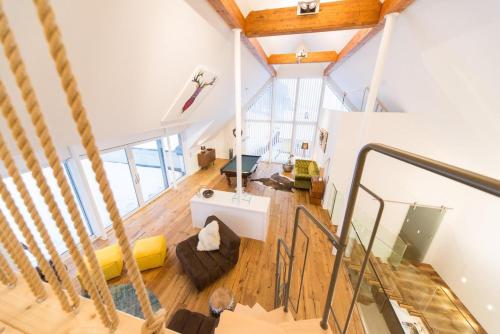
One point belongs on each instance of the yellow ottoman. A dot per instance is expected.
(110, 260)
(150, 252)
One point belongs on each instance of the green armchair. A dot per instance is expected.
(304, 170)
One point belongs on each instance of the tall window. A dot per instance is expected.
(117, 167)
(178, 167)
(282, 118)
(150, 166)
(42, 209)
(257, 126)
(137, 173)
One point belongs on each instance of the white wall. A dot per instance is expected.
(467, 236)
(131, 58)
(443, 70)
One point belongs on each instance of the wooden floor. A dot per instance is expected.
(252, 280)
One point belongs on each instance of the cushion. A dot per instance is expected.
(110, 260)
(150, 252)
(209, 237)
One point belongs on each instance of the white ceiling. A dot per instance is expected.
(323, 41)
(320, 41)
(247, 5)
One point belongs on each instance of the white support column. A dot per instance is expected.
(85, 193)
(372, 95)
(237, 101)
(170, 161)
(295, 117)
(379, 65)
(271, 122)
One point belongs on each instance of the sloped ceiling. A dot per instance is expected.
(323, 41)
(131, 58)
(435, 66)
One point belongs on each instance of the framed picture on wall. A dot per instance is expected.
(323, 139)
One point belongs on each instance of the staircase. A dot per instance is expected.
(377, 273)
(411, 292)
(257, 320)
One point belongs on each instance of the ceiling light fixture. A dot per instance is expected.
(307, 7)
(300, 55)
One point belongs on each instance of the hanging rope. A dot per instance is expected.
(69, 84)
(31, 102)
(33, 165)
(35, 250)
(16, 252)
(13, 172)
(7, 276)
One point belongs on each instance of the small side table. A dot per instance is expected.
(317, 190)
(221, 299)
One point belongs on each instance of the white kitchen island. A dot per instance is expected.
(249, 219)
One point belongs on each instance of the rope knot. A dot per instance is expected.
(158, 324)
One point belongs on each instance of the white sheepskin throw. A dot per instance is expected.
(209, 237)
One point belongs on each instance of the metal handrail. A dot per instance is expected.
(291, 253)
(474, 180)
(281, 243)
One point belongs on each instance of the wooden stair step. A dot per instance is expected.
(234, 322)
(310, 326)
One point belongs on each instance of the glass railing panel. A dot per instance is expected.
(406, 297)
(372, 303)
(388, 246)
(429, 300)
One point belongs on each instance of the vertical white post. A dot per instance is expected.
(170, 161)
(85, 193)
(373, 92)
(379, 65)
(294, 125)
(237, 101)
(271, 122)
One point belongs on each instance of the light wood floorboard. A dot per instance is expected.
(252, 280)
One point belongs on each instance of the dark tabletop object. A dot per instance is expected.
(208, 193)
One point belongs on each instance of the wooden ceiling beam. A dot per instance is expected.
(256, 49)
(312, 57)
(363, 36)
(231, 14)
(338, 15)
(394, 6)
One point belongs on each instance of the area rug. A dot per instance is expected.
(126, 300)
(277, 182)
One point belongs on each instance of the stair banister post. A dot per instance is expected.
(342, 244)
(367, 256)
(237, 101)
(292, 257)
